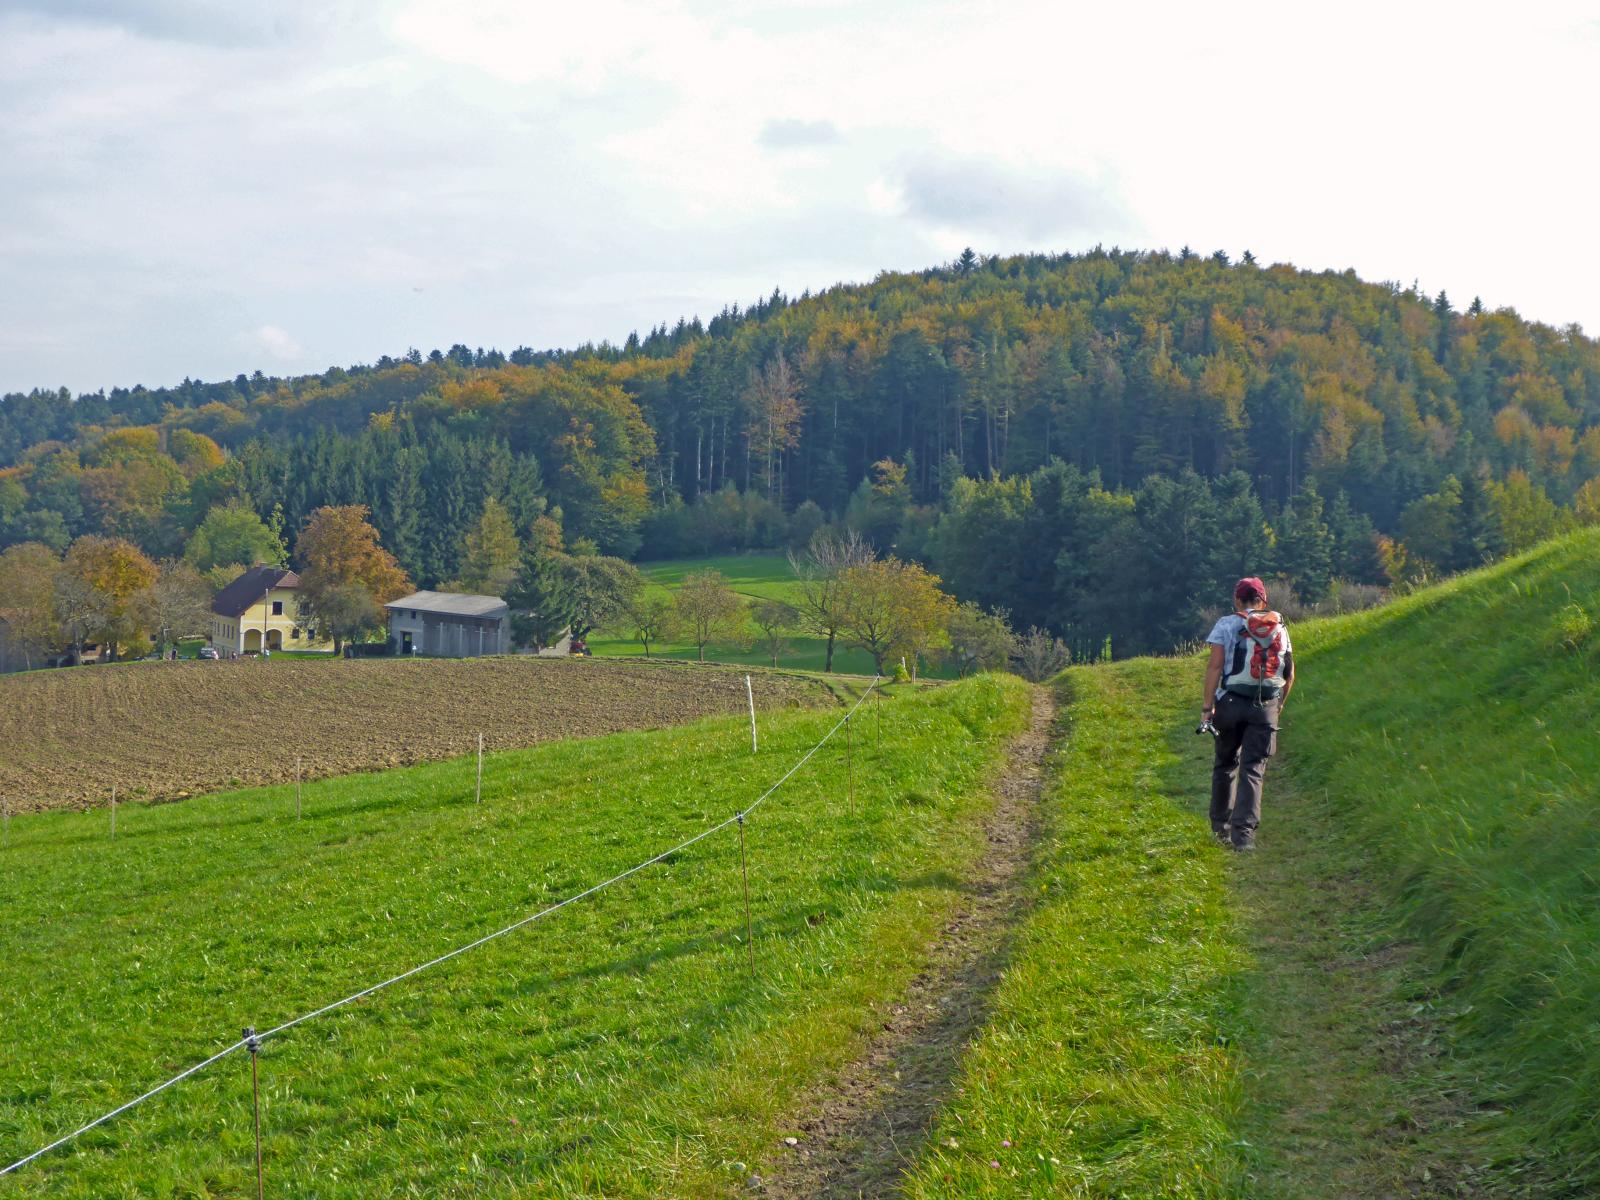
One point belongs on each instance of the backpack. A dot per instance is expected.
(1257, 667)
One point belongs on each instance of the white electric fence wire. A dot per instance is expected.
(459, 950)
(155, 1091)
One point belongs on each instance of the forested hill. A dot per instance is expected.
(1459, 432)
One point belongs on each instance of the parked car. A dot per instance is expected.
(209, 652)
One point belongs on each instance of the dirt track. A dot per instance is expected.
(167, 730)
(859, 1135)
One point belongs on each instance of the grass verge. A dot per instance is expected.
(621, 1048)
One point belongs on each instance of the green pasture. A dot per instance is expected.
(627, 1046)
(754, 577)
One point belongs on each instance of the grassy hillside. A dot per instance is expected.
(623, 1047)
(754, 577)
(171, 729)
(1454, 736)
(1394, 996)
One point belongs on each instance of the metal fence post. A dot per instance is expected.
(253, 1044)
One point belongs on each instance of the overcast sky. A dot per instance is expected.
(204, 187)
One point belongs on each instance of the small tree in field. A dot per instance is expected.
(819, 595)
(979, 641)
(775, 619)
(347, 613)
(893, 608)
(707, 610)
(650, 616)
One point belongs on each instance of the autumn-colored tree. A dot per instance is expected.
(893, 608)
(490, 552)
(708, 610)
(27, 596)
(115, 571)
(338, 549)
(1586, 504)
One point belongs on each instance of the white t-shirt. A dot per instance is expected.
(1228, 632)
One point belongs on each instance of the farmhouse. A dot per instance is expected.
(263, 603)
(449, 624)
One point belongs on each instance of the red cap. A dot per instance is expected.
(1248, 587)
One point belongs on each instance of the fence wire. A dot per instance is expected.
(242, 1043)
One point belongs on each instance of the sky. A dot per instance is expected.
(199, 188)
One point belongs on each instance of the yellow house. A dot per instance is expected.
(263, 604)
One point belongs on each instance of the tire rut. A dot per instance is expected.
(859, 1135)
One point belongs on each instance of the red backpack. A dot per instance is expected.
(1258, 657)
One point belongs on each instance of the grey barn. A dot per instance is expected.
(449, 624)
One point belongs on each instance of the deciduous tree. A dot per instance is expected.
(775, 619)
(338, 550)
(891, 608)
(707, 610)
(979, 640)
(118, 571)
(818, 570)
(27, 596)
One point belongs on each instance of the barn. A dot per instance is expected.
(449, 624)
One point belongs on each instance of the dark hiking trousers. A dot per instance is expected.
(1247, 734)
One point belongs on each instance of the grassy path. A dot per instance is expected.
(870, 1121)
(1350, 1088)
(1178, 1021)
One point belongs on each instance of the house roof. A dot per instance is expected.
(236, 599)
(453, 604)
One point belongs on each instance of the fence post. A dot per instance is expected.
(478, 798)
(297, 787)
(850, 762)
(877, 714)
(253, 1044)
(750, 692)
(6, 801)
(744, 874)
(113, 811)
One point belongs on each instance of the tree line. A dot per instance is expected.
(1381, 435)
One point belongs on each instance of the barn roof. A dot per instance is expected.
(452, 604)
(236, 599)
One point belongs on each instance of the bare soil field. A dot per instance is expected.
(168, 730)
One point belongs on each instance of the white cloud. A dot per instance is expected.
(414, 172)
(273, 341)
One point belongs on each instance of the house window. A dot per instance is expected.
(295, 636)
(277, 608)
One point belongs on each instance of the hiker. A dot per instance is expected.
(1248, 680)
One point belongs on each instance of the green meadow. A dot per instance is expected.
(624, 1046)
(753, 577)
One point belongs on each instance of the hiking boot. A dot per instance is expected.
(1220, 832)
(1242, 840)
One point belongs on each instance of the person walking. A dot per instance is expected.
(1248, 679)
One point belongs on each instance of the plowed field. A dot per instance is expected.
(167, 730)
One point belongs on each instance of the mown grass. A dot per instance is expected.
(755, 577)
(1453, 737)
(620, 1048)
(1106, 1068)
